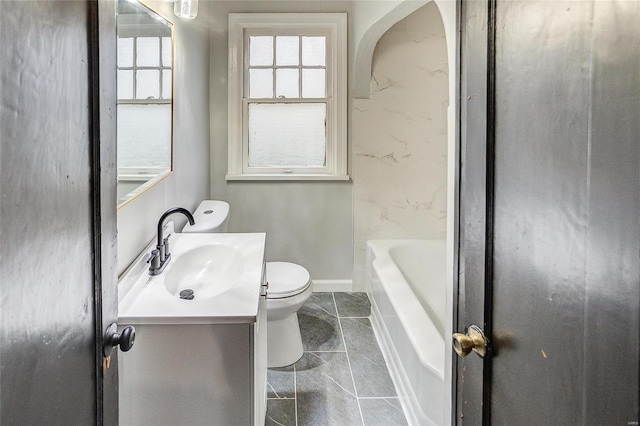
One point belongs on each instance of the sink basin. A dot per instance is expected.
(224, 271)
(203, 272)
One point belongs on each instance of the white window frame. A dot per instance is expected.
(335, 26)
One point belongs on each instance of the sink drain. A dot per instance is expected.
(186, 294)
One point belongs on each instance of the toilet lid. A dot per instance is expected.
(286, 279)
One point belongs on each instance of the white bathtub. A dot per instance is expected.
(406, 282)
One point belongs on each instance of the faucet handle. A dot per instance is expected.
(154, 254)
(154, 260)
(165, 247)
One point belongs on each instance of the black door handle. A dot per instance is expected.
(124, 339)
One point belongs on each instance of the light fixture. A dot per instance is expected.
(187, 9)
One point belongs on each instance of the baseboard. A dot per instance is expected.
(320, 286)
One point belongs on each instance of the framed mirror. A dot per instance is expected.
(145, 99)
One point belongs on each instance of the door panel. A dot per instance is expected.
(57, 225)
(563, 202)
(612, 284)
(48, 357)
(542, 128)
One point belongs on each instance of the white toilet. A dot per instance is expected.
(289, 287)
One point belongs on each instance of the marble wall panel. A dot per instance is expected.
(400, 138)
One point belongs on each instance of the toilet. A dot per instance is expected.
(289, 288)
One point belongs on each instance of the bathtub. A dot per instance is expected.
(406, 282)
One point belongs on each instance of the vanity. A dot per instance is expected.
(200, 353)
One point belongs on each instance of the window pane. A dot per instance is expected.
(313, 83)
(148, 52)
(287, 50)
(125, 52)
(148, 84)
(166, 51)
(287, 83)
(313, 51)
(287, 135)
(166, 84)
(144, 135)
(125, 84)
(260, 50)
(260, 83)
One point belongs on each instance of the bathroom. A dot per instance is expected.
(397, 189)
(347, 213)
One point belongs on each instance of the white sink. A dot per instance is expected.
(223, 271)
(204, 272)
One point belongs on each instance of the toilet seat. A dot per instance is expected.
(286, 279)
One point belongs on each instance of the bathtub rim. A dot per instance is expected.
(411, 309)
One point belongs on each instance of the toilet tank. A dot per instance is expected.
(210, 216)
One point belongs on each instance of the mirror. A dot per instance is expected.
(145, 93)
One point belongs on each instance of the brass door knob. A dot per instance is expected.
(474, 339)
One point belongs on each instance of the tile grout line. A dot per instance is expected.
(380, 397)
(295, 391)
(344, 342)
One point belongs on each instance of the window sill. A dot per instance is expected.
(287, 177)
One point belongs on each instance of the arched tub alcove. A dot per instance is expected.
(403, 140)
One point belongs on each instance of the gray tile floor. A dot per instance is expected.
(342, 378)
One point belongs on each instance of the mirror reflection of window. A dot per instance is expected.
(144, 90)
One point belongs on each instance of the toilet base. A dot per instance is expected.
(284, 343)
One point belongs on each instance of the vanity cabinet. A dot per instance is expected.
(196, 374)
(201, 361)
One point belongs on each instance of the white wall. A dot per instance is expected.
(309, 223)
(371, 20)
(189, 183)
(400, 138)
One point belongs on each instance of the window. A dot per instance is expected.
(287, 97)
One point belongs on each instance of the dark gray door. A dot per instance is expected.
(57, 212)
(550, 212)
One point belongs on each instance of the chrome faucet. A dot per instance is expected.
(160, 256)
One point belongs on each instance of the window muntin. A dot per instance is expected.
(286, 66)
(285, 120)
(144, 70)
